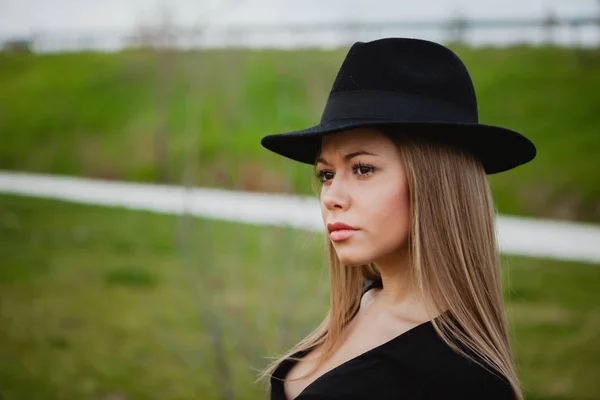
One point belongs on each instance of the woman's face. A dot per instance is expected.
(365, 191)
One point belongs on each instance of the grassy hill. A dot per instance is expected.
(98, 115)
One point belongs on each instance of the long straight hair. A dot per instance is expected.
(453, 256)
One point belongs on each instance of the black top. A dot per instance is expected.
(417, 364)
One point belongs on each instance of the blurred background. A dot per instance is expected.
(181, 291)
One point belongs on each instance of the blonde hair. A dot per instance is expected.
(453, 256)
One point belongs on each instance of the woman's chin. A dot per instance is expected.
(353, 260)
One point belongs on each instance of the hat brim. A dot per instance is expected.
(499, 149)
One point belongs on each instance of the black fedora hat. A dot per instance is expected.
(418, 85)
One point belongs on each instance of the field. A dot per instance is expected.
(145, 116)
(104, 303)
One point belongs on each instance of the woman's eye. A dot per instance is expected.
(361, 169)
(324, 176)
(358, 169)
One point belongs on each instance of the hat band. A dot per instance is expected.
(394, 106)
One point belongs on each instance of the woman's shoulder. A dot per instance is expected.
(460, 377)
(450, 374)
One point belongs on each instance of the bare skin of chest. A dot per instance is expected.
(365, 332)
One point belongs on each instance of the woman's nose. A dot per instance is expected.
(335, 195)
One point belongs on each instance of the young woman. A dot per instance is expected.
(416, 308)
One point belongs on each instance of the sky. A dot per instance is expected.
(24, 17)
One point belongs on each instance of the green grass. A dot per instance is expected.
(98, 302)
(96, 114)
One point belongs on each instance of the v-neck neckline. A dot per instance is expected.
(353, 359)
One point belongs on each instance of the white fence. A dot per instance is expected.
(522, 236)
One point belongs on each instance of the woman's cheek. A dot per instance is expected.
(395, 215)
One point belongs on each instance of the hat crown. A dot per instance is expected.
(408, 66)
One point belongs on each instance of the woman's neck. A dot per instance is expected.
(399, 294)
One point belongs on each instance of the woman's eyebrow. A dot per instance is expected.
(348, 156)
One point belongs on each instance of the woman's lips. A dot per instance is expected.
(341, 234)
(340, 231)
